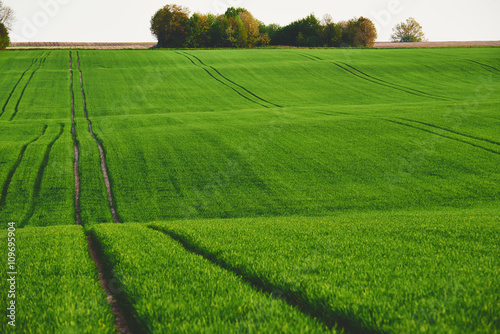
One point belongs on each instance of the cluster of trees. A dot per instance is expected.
(6, 21)
(173, 27)
(313, 33)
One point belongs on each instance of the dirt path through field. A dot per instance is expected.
(75, 144)
(101, 150)
(121, 324)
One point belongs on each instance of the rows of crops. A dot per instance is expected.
(361, 187)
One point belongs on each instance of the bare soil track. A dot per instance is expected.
(121, 324)
(101, 149)
(78, 217)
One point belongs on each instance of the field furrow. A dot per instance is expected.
(485, 66)
(406, 89)
(387, 272)
(34, 200)
(76, 161)
(18, 82)
(452, 131)
(445, 136)
(8, 180)
(100, 147)
(187, 293)
(344, 322)
(16, 109)
(240, 90)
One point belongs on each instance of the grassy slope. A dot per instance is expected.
(174, 291)
(57, 287)
(339, 142)
(358, 130)
(400, 272)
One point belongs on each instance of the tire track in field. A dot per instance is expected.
(125, 314)
(488, 68)
(246, 90)
(39, 178)
(310, 57)
(16, 109)
(441, 135)
(332, 319)
(452, 131)
(5, 188)
(33, 61)
(101, 149)
(76, 162)
(122, 326)
(358, 73)
(225, 84)
(348, 68)
(239, 89)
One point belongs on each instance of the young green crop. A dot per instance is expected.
(57, 286)
(173, 291)
(395, 272)
(266, 132)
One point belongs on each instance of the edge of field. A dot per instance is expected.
(147, 45)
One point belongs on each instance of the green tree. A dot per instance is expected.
(4, 37)
(198, 31)
(170, 26)
(409, 31)
(332, 33)
(252, 28)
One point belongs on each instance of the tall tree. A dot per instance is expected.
(6, 16)
(4, 37)
(367, 32)
(170, 26)
(252, 28)
(358, 32)
(409, 31)
(332, 33)
(198, 31)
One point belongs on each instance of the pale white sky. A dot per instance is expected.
(128, 20)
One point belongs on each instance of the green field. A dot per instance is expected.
(273, 190)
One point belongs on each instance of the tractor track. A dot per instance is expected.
(452, 131)
(329, 318)
(33, 61)
(396, 86)
(39, 178)
(310, 57)
(246, 90)
(76, 162)
(380, 82)
(118, 309)
(6, 185)
(228, 82)
(16, 109)
(101, 149)
(441, 135)
(488, 68)
(360, 74)
(125, 319)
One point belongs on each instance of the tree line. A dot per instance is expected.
(237, 27)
